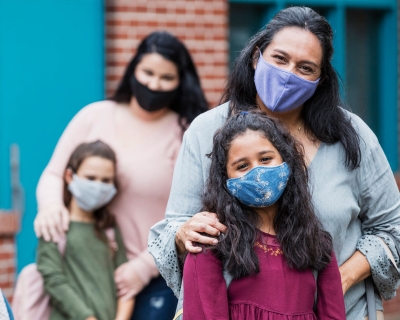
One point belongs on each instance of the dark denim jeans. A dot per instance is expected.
(155, 302)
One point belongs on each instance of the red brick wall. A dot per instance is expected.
(7, 265)
(392, 307)
(9, 225)
(200, 24)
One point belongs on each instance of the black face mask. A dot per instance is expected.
(151, 100)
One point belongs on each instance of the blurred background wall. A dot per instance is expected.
(56, 56)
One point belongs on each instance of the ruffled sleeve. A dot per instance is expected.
(379, 202)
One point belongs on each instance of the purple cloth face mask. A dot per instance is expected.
(281, 90)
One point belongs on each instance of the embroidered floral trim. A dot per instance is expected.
(266, 249)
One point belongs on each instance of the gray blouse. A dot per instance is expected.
(356, 207)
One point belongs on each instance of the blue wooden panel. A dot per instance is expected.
(388, 107)
(51, 65)
(337, 18)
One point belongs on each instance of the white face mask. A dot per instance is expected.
(91, 195)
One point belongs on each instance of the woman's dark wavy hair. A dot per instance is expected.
(103, 218)
(303, 241)
(190, 101)
(322, 113)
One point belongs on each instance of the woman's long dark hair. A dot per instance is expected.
(303, 241)
(322, 113)
(190, 102)
(103, 218)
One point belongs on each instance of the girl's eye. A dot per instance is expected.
(148, 72)
(90, 177)
(265, 159)
(242, 166)
(106, 180)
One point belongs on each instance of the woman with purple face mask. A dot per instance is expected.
(285, 70)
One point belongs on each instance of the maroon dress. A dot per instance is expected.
(276, 293)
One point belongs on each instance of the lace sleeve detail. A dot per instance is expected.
(385, 266)
(162, 247)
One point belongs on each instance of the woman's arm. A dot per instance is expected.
(53, 217)
(63, 297)
(354, 270)
(132, 276)
(205, 294)
(330, 301)
(379, 201)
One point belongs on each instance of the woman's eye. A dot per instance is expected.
(306, 69)
(266, 159)
(279, 58)
(148, 72)
(91, 178)
(168, 78)
(106, 180)
(242, 166)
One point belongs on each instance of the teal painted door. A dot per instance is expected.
(51, 65)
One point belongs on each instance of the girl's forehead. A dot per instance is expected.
(96, 163)
(249, 141)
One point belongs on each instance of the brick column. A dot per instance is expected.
(9, 226)
(392, 307)
(202, 25)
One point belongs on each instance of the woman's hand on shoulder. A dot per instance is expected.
(194, 229)
(51, 222)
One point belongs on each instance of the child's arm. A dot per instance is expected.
(330, 300)
(205, 294)
(124, 309)
(124, 306)
(63, 297)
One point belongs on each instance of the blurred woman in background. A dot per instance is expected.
(158, 97)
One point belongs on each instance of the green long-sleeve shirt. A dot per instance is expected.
(81, 283)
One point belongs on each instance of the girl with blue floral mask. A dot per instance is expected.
(79, 275)
(274, 245)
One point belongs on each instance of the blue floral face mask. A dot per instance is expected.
(261, 186)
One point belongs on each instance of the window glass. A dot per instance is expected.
(362, 63)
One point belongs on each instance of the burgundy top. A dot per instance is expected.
(276, 293)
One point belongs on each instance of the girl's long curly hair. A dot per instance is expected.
(303, 241)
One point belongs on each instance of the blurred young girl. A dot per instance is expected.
(80, 281)
(258, 188)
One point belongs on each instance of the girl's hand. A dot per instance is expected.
(128, 282)
(189, 232)
(52, 222)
